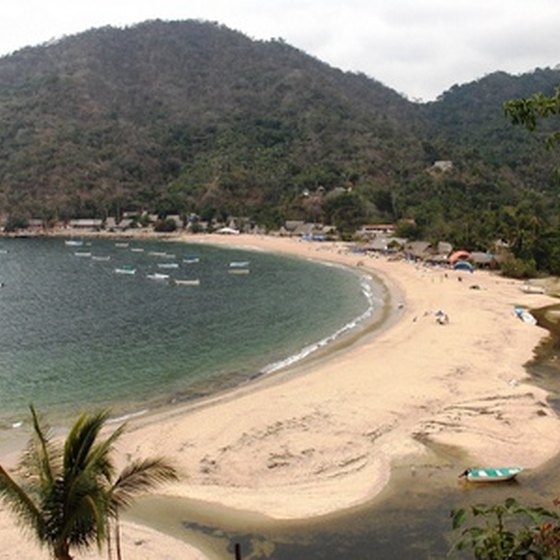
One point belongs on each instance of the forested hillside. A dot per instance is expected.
(177, 117)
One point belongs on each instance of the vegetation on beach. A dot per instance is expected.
(70, 495)
(511, 531)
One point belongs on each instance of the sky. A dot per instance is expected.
(419, 48)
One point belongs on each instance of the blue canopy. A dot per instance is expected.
(463, 265)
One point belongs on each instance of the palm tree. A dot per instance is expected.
(69, 493)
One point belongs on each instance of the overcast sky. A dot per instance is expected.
(418, 47)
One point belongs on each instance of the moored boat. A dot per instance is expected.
(157, 276)
(239, 264)
(484, 474)
(191, 260)
(168, 265)
(74, 242)
(125, 269)
(238, 271)
(194, 282)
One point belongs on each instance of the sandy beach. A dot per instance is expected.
(323, 436)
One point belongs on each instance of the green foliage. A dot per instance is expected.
(168, 225)
(508, 532)
(70, 493)
(528, 111)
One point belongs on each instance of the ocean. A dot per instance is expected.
(79, 330)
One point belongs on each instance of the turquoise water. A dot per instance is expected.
(74, 333)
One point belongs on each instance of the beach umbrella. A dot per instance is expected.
(463, 265)
(459, 255)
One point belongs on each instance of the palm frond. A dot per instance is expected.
(81, 439)
(138, 477)
(40, 461)
(21, 504)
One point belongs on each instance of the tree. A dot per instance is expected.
(69, 493)
(497, 533)
(528, 111)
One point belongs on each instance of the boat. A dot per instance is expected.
(238, 271)
(524, 315)
(194, 282)
(125, 269)
(239, 264)
(137, 250)
(168, 265)
(157, 276)
(157, 254)
(121, 244)
(100, 258)
(191, 260)
(483, 474)
(82, 254)
(74, 242)
(530, 289)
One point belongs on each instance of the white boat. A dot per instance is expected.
(239, 264)
(524, 315)
(82, 254)
(157, 254)
(99, 258)
(137, 250)
(168, 265)
(238, 271)
(530, 289)
(499, 474)
(121, 244)
(191, 260)
(74, 242)
(157, 276)
(187, 282)
(125, 269)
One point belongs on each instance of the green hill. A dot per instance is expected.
(176, 117)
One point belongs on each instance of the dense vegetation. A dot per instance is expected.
(179, 117)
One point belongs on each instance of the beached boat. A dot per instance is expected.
(168, 265)
(239, 264)
(500, 474)
(530, 289)
(524, 315)
(157, 276)
(194, 282)
(125, 269)
(74, 242)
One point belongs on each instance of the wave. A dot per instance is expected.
(374, 303)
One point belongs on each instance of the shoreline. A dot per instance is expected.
(311, 442)
(321, 436)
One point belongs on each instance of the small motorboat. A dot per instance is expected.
(125, 269)
(168, 265)
(524, 315)
(484, 474)
(74, 242)
(194, 282)
(157, 276)
(191, 260)
(239, 264)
